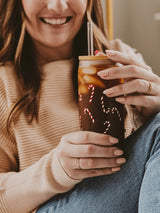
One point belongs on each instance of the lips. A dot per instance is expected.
(56, 21)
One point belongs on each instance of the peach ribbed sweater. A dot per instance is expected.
(29, 171)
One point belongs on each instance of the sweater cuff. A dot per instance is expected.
(60, 175)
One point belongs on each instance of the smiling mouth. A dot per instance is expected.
(56, 21)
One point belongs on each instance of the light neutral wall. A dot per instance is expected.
(134, 24)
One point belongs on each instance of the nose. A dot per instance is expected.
(57, 5)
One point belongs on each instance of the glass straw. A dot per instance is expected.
(90, 38)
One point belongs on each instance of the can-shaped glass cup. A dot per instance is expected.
(98, 112)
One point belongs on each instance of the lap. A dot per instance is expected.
(117, 192)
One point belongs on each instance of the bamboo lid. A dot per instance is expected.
(93, 57)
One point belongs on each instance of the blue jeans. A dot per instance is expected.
(135, 188)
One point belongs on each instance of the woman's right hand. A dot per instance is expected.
(86, 154)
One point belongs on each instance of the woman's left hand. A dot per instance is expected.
(141, 86)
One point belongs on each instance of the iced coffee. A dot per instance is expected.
(98, 112)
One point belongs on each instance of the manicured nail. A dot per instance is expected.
(108, 91)
(120, 160)
(113, 140)
(96, 52)
(118, 152)
(120, 99)
(115, 169)
(110, 52)
(103, 73)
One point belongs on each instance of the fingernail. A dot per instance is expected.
(118, 152)
(120, 160)
(113, 140)
(120, 99)
(96, 52)
(115, 169)
(108, 91)
(110, 52)
(103, 73)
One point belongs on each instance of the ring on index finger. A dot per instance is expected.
(149, 87)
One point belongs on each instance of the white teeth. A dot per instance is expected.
(55, 21)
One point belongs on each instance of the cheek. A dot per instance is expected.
(79, 6)
(30, 7)
(26, 5)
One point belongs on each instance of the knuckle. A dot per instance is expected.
(118, 41)
(139, 83)
(89, 150)
(63, 140)
(87, 163)
(94, 172)
(156, 78)
(121, 89)
(146, 100)
(61, 152)
(109, 74)
(131, 60)
(100, 172)
(148, 68)
(108, 151)
(84, 135)
(91, 163)
(104, 171)
(154, 102)
(133, 69)
(112, 149)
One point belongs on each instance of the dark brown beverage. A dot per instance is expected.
(98, 112)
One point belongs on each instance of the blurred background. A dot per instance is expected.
(137, 23)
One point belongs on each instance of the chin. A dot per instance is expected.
(56, 42)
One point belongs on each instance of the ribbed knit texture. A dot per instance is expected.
(30, 172)
(29, 149)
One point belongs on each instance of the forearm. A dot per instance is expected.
(26, 190)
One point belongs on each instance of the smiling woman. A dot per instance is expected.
(43, 154)
(54, 26)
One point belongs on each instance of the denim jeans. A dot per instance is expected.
(135, 188)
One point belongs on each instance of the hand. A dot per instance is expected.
(87, 154)
(141, 87)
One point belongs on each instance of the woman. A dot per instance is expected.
(43, 155)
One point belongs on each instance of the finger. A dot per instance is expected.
(133, 86)
(125, 59)
(90, 163)
(88, 150)
(98, 53)
(86, 137)
(97, 163)
(81, 173)
(151, 102)
(130, 71)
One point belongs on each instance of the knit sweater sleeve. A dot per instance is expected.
(23, 191)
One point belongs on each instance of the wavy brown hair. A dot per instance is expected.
(16, 46)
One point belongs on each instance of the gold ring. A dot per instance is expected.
(149, 87)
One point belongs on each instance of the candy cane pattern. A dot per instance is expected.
(108, 110)
(80, 96)
(86, 110)
(92, 93)
(108, 126)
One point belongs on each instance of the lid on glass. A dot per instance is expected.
(93, 57)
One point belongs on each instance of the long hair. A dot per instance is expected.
(16, 46)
